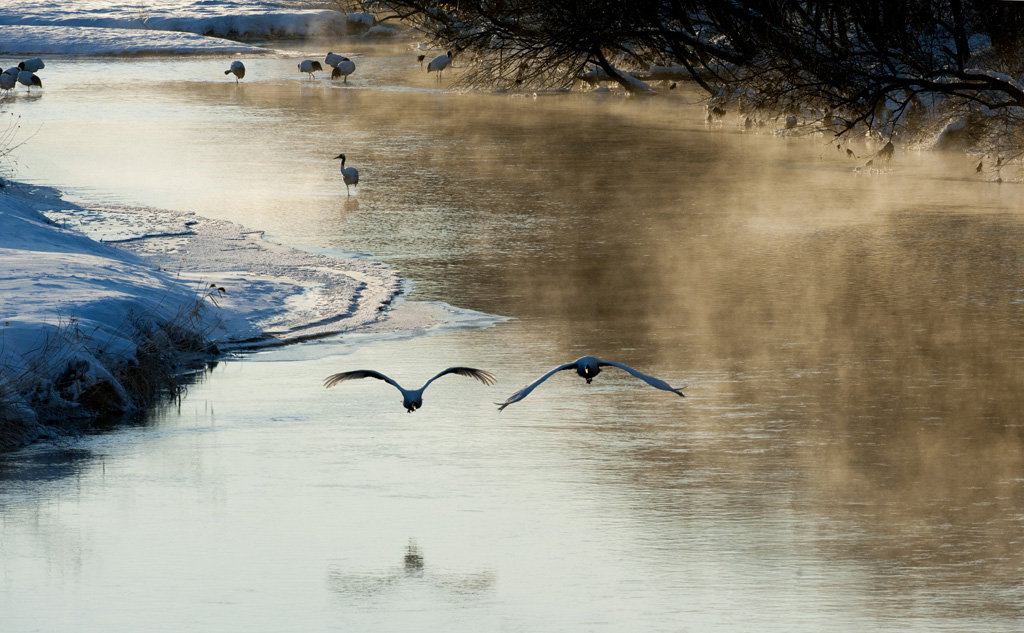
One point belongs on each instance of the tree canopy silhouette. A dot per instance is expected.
(880, 64)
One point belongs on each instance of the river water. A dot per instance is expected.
(849, 455)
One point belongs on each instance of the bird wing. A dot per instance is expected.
(334, 379)
(525, 391)
(485, 377)
(650, 380)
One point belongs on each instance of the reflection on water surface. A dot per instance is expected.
(848, 456)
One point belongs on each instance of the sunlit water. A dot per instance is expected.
(849, 456)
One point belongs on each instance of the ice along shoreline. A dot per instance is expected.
(90, 330)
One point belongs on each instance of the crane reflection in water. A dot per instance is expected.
(413, 573)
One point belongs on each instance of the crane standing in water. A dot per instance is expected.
(310, 66)
(349, 174)
(439, 63)
(237, 69)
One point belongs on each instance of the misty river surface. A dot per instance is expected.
(849, 456)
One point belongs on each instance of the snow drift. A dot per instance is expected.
(73, 40)
(88, 329)
(240, 19)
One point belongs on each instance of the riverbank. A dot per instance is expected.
(91, 330)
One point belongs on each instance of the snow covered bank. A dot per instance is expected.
(88, 329)
(74, 314)
(238, 19)
(112, 27)
(73, 40)
(288, 295)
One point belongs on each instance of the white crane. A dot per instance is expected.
(237, 69)
(588, 367)
(9, 79)
(28, 80)
(411, 399)
(344, 68)
(310, 66)
(32, 65)
(333, 59)
(349, 174)
(439, 63)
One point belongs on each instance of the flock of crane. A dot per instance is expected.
(24, 73)
(341, 66)
(586, 367)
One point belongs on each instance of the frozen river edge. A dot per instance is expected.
(90, 329)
